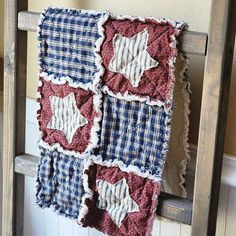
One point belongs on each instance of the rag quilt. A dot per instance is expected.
(110, 89)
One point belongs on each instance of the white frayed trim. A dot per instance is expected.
(73, 10)
(98, 44)
(60, 80)
(123, 167)
(176, 24)
(94, 138)
(88, 191)
(179, 26)
(131, 97)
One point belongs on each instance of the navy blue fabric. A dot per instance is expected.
(59, 183)
(67, 43)
(135, 133)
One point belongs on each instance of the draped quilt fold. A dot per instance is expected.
(107, 92)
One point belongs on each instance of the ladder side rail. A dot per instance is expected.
(15, 58)
(216, 85)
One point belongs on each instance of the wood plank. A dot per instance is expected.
(15, 48)
(169, 206)
(50, 222)
(231, 212)
(222, 211)
(65, 226)
(27, 210)
(79, 231)
(1, 74)
(189, 42)
(213, 116)
(156, 228)
(185, 230)
(36, 213)
(170, 228)
(26, 164)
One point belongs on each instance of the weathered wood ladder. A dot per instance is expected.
(218, 46)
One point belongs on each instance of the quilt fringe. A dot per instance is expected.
(88, 192)
(185, 92)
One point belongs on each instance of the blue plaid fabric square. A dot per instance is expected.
(67, 42)
(59, 183)
(135, 134)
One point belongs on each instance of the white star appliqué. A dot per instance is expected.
(131, 57)
(66, 116)
(115, 199)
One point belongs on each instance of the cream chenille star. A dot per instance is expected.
(115, 199)
(131, 57)
(66, 116)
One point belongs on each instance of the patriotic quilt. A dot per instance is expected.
(107, 91)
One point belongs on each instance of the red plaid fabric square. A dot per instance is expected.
(68, 117)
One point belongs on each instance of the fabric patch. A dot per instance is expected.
(68, 118)
(59, 183)
(142, 192)
(135, 134)
(68, 40)
(116, 200)
(156, 84)
(131, 57)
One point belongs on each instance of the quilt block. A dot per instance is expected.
(119, 203)
(106, 101)
(138, 56)
(135, 135)
(68, 117)
(68, 42)
(59, 184)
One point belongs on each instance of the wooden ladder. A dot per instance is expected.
(217, 46)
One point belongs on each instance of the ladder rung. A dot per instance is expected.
(190, 42)
(26, 164)
(170, 206)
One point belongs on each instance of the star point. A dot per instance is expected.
(116, 200)
(66, 116)
(131, 57)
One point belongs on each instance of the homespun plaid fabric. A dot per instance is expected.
(67, 43)
(59, 183)
(135, 134)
